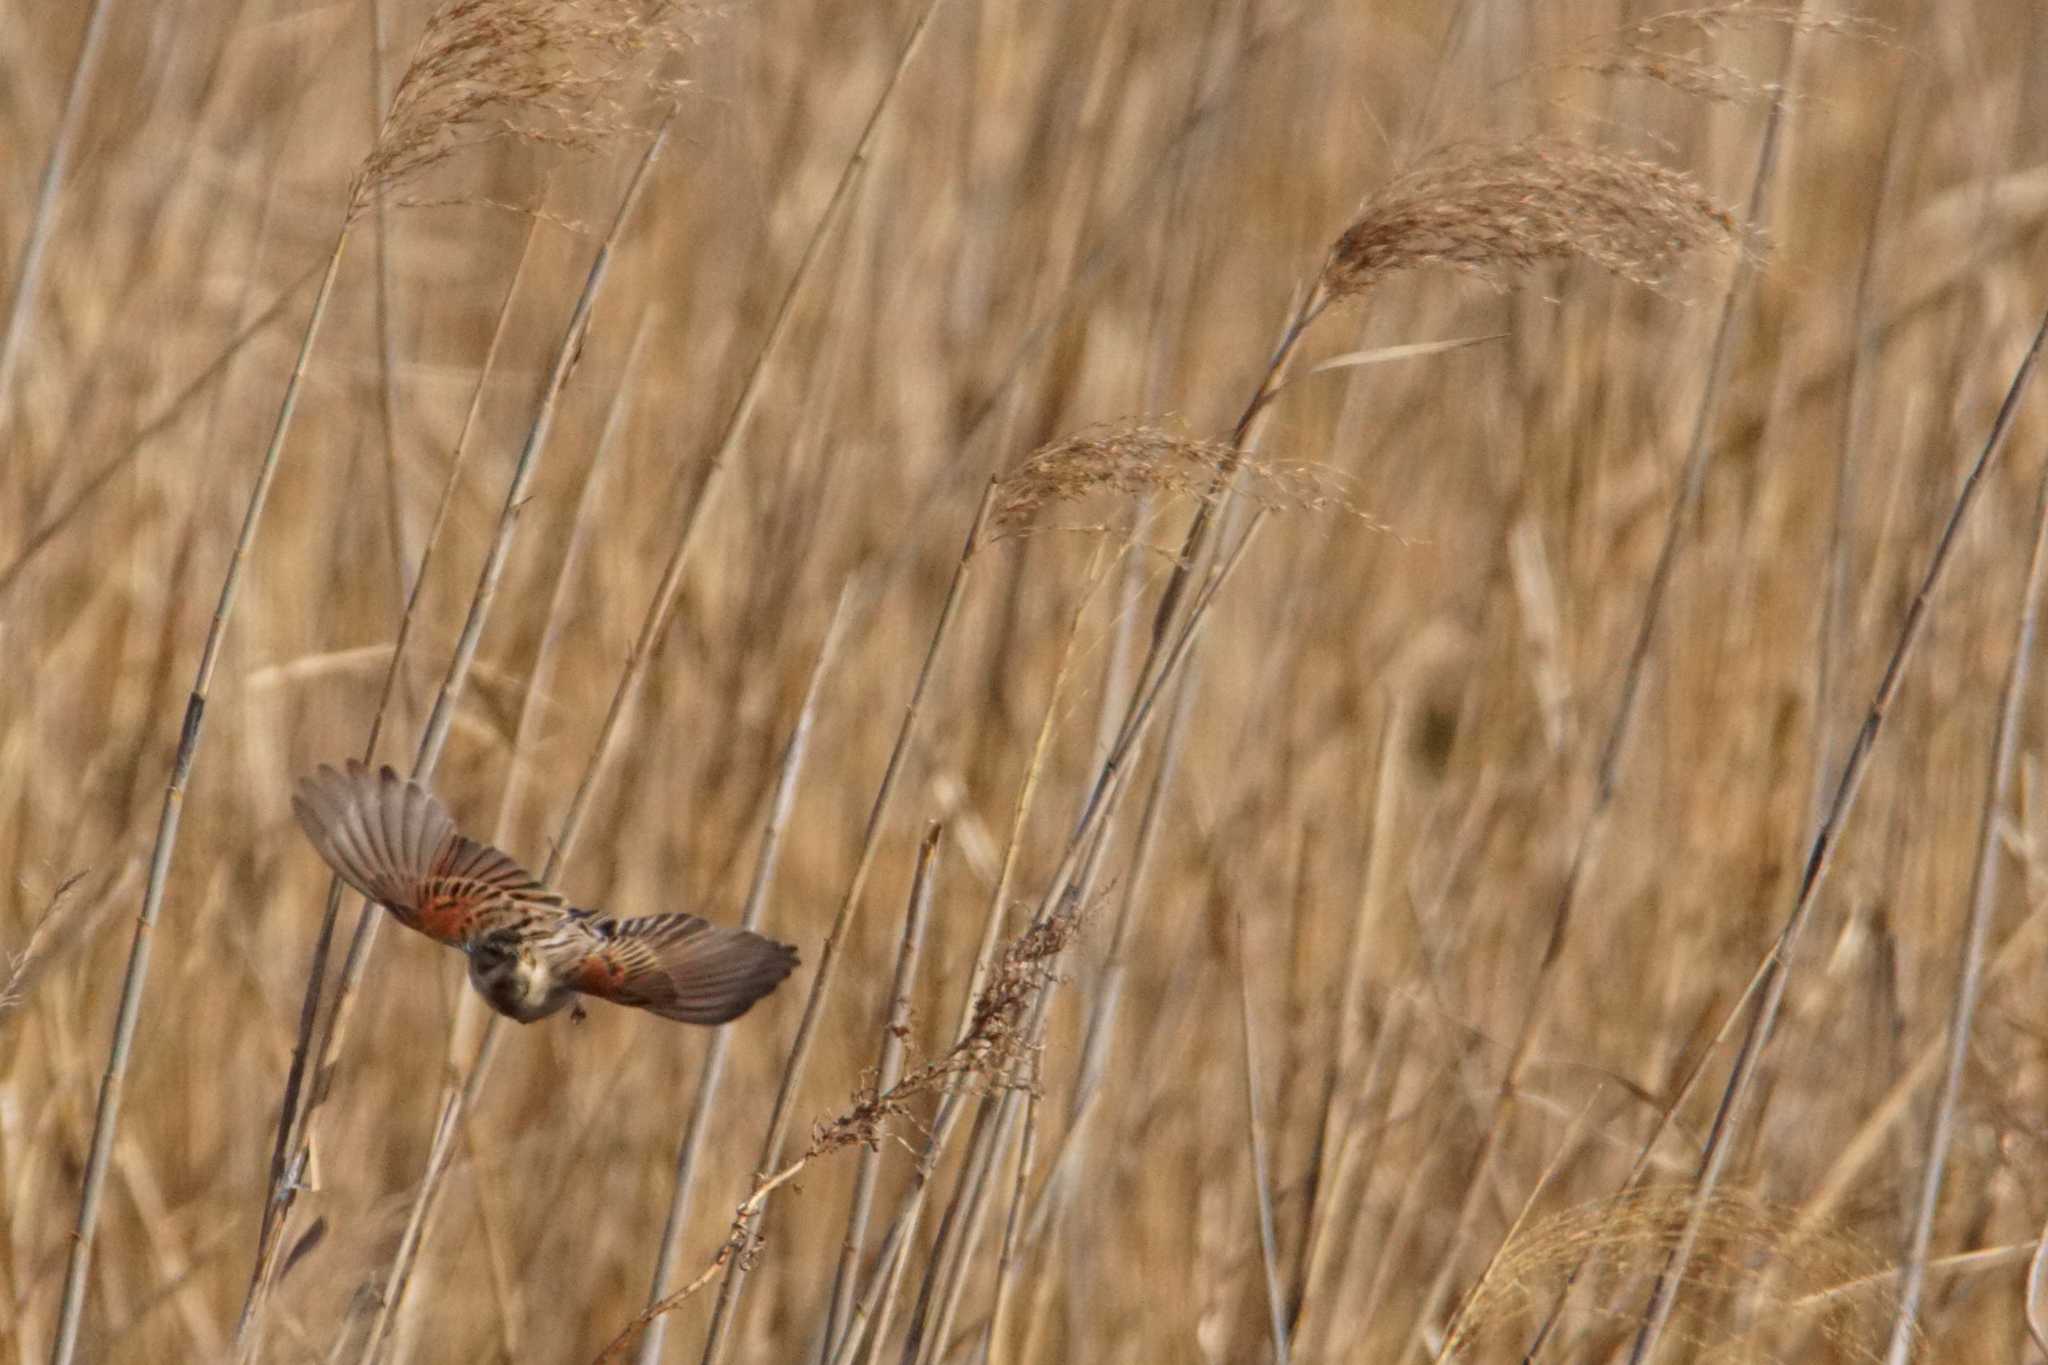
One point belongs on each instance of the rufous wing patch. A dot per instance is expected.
(678, 966)
(390, 839)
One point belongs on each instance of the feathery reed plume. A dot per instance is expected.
(1629, 1235)
(1647, 50)
(571, 74)
(1708, 21)
(1494, 209)
(1132, 457)
(21, 964)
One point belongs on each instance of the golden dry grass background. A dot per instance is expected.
(1072, 215)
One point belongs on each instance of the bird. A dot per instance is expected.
(530, 952)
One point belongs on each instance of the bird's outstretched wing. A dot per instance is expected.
(390, 839)
(677, 966)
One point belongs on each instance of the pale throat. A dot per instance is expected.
(521, 985)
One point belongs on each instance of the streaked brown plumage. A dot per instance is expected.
(530, 952)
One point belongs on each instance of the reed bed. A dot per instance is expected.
(1380, 657)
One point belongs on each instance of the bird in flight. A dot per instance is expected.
(530, 952)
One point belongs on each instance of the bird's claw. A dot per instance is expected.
(577, 1014)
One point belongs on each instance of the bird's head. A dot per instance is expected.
(514, 978)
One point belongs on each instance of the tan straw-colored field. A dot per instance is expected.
(1376, 654)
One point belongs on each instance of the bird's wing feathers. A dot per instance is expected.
(677, 966)
(470, 879)
(391, 840)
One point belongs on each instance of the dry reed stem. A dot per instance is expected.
(1257, 1143)
(1969, 981)
(1496, 210)
(1120, 235)
(1010, 1022)
(1196, 548)
(1165, 665)
(878, 1306)
(128, 1010)
(573, 75)
(1010, 1250)
(1614, 744)
(842, 922)
(683, 1186)
(1850, 445)
(28, 273)
(1454, 1330)
(1485, 209)
(1772, 975)
(540, 680)
(994, 1057)
(1020, 810)
(316, 974)
(1355, 1104)
(2037, 1294)
(393, 1300)
(1103, 1007)
(960, 1231)
(751, 388)
(441, 718)
(1846, 1175)
(888, 1072)
(167, 417)
(869, 1321)
(380, 307)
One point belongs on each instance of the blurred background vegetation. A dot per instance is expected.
(1370, 794)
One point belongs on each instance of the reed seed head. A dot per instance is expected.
(1136, 457)
(570, 74)
(1498, 209)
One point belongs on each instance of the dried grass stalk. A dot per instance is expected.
(1497, 209)
(994, 1055)
(570, 74)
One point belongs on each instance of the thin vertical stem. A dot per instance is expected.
(712, 1077)
(1262, 1190)
(1776, 970)
(1592, 830)
(993, 1337)
(316, 975)
(442, 717)
(842, 923)
(1970, 968)
(168, 416)
(888, 1068)
(387, 347)
(107, 1118)
(398, 1277)
(28, 276)
(735, 426)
